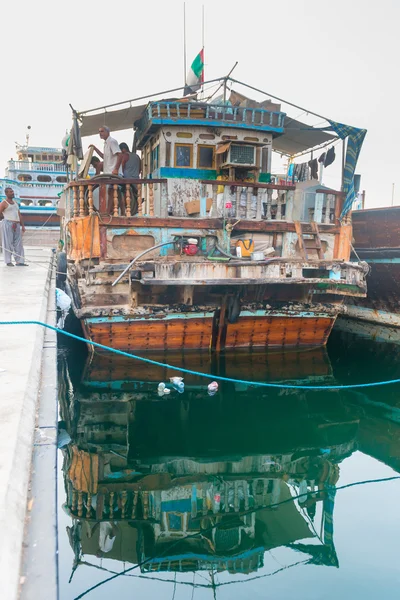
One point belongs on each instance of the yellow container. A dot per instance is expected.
(246, 247)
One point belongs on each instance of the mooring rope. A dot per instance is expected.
(199, 373)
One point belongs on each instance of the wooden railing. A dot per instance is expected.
(215, 112)
(124, 502)
(115, 196)
(266, 207)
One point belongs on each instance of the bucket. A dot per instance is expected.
(246, 247)
(257, 256)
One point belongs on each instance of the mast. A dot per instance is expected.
(184, 44)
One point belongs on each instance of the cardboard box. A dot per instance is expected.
(194, 206)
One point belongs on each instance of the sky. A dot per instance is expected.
(337, 59)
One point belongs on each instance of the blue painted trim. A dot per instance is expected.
(208, 557)
(216, 123)
(389, 261)
(182, 505)
(186, 173)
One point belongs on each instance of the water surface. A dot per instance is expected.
(234, 495)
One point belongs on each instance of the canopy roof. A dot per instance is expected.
(297, 137)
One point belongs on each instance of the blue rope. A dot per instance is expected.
(198, 373)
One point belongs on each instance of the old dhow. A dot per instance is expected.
(227, 254)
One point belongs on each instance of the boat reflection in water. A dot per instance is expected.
(189, 482)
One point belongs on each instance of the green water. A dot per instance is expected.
(204, 489)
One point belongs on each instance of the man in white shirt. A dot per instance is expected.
(112, 159)
(112, 156)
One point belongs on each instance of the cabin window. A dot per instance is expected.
(44, 157)
(24, 178)
(61, 179)
(183, 155)
(251, 139)
(44, 178)
(229, 137)
(184, 134)
(205, 157)
(207, 136)
(154, 159)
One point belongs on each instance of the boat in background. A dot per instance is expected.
(376, 233)
(38, 177)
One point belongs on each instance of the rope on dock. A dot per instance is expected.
(198, 373)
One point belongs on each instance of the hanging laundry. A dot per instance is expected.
(322, 158)
(303, 176)
(313, 164)
(330, 157)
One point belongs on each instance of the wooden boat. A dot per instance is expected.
(376, 240)
(208, 187)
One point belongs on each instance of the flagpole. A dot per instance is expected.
(202, 44)
(184, 43)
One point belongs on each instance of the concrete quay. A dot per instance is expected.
(27, 371)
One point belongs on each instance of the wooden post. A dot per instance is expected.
(81, 201)
(128, 200)
(80, 504)
(89, 505)
(90, 193)
(139, 199)
(111, 504)
(238, 196)
(124, 499)
(269, 203)
(74, 498)
(76, 206)
(115, 187)
(214, 202)
(259, 205)
(248, 203)
(134, 504)
(151, 200)
(278, 209)
(145, 504)
(164, 200)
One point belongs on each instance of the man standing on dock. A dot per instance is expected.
(12, 229)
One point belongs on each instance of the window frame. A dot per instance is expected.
(190, 146)
(213, 156)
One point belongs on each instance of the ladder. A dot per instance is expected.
(311, 242)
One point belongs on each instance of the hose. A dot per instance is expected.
(137, 258)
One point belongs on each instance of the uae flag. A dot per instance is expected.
(195, 76)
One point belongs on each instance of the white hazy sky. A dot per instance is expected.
(339, 59)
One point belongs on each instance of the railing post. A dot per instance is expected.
(269, 204)
(139, 199)
(75, 194)
(259, 206)
(90, 194)
(238, 197)
(115, 188)
(151, 200)
(164, 200)
(128, 199)
(81, 201)
(278, 208)
(248, 203)
(214, 201)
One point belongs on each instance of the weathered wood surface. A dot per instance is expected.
(376, 228)
(256, 366)
(185, 334)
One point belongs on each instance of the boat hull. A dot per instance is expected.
(203, 332)
(376, 233)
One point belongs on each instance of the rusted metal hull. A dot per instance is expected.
(203, 333)
(377, 241)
